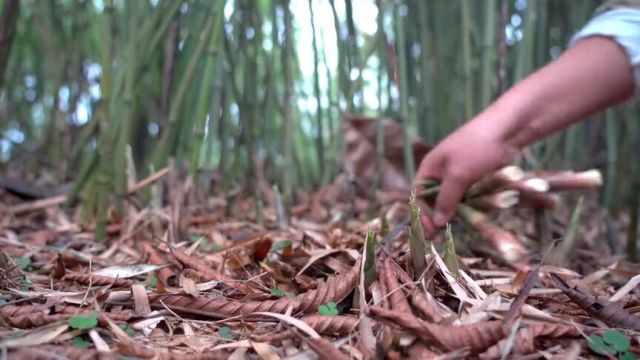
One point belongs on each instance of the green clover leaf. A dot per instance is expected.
(628, 356)
(617, 340)
(277, 292)
(329, 309)
(84, 322)
(80, 343)
(597, 345)
(280, 245)
(225, 333)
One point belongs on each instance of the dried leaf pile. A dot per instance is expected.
(204, 280)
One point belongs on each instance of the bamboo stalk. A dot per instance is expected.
(287, 53)
(128, 107)
(209, 90)
(525, 47)
(404, 93)
(103, 185)
(10, 14)
(168, 142)
(632, 231)
(466, 59)
(489, 43)
(316, 89)
(559, 256)
(427, 120)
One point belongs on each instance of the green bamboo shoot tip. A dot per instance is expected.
(450, 256)
(416, 238)
(384, 226)
(370, 258)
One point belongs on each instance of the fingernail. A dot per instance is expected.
(439, 219)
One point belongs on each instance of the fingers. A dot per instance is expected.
(427, 170)
(451, 192)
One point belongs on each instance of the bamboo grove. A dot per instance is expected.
(95, 90)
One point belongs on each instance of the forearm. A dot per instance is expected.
(589, 77)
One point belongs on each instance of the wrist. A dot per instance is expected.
(509, 121)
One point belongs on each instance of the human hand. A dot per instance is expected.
(461, 159)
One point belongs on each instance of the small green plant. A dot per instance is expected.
(25, 284)
(225, 333)
(196, 238)
(277, 292)
(84, 322)
(280, 245)
(612, 343)
(329, 309)
(153, 281)
(127, 329)
(80, 343)
(24, 263)
(204, 243)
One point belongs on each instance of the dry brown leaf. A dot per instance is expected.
(97, 280)
(189, 287)
(264, 351)
(330, 325)
(335, 289)
(166, 275)
(397, 296)
(31, 316)
(418, 350)
(205, 271)
(419, 299)
(39, 336)
(477, 336)
(55, 352)
(127, 346)
(612, 313)
(518, 302)
(524, 342)
(325, 349)
(140, 300)
(34, 320)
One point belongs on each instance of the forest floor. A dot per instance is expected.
(206, 280)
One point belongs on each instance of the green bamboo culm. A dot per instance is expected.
(287, 105)
(427, 121)
(103, 176)
(209, 91)
(632, 232)
(489, 52)
(611, 135)
(127, 110)
(466, 58)
(169, 141)
(404, 93)
(316, 88)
